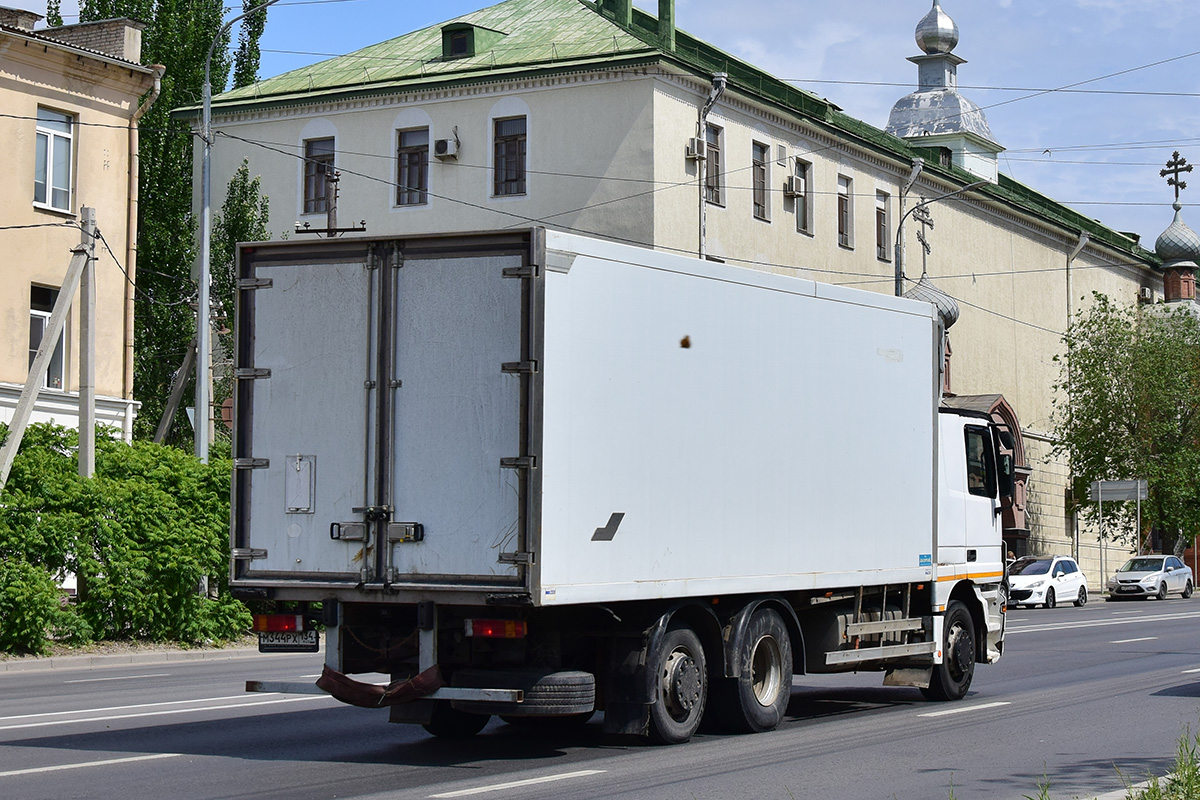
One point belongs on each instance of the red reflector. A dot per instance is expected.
(497, 628)
(278, 622)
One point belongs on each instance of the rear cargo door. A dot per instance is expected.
(459, 457)
(306, 392)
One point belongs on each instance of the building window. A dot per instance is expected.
(845, 215)
(52, 167)
(802, 184)
(882, 226)
(712, 165)
(759, 180)
(318, 162)
(412, 167)
(41, 304)
(510, 152)
(460, 44)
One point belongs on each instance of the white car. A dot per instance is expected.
(1151, 576)
(1046, 580)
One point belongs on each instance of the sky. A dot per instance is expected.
(1090, 97)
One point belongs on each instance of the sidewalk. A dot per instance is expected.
(137, 655)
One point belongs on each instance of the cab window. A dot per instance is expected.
(981, 464)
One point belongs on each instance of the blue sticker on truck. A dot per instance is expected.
(925, 560)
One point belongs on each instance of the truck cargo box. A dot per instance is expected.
(556, 419)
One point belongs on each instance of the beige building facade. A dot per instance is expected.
(71, 97)
(601, 119)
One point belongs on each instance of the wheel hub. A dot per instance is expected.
(681, 683)
(960, 656)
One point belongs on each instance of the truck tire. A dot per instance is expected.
(450, 723)
(952, 677)
(757, 699)
(547, 694)
(681, 676)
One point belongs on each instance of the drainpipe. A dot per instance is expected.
(719, 81)
(131, 231)
(1082, 243)
(918, 166)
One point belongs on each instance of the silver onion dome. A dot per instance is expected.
(1178, 243)
(946, 307)
(937, 33)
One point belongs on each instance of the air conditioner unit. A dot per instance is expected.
(793, 186)
(445, 148)
(696, 149)
(1146, 294)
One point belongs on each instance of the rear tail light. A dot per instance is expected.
(496, 628)
(265, 623)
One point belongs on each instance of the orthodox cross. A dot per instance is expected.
(1175, 167)
(923, 218)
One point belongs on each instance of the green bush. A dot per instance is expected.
(141, 536)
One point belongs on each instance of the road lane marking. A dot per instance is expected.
(1128, 641)
(122, 678)
(950, 711)
(1116, 613)
(498, 787)
(82, 720)
(1060, 626)
(127, 708)
(81, 765)
(1189, 671)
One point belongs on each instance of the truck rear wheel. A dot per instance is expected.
(952, 677)
(682, 682)
(450, 723)
(757, 699)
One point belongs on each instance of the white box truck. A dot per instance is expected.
(539, 475)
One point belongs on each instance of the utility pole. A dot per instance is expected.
(87, 348)
(82, 256)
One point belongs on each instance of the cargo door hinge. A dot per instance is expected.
(251, 373)
(520, 462)
(520, 557)
(522, 367)
(527, 271)
(255, 283)
(247, 553)
(251, 463)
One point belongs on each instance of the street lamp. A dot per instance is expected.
(203, 339)
(899, 250)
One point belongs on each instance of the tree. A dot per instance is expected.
(1126, 407)
(178, 35)
(245, 60)
(243, 218)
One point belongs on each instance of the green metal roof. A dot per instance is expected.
(529, 38)
(531, 33)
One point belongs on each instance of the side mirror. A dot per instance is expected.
(1007, 485)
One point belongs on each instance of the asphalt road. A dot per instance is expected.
(1082, 696)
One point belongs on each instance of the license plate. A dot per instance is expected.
(289, 642)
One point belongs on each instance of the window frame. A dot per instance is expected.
(406, 194)
(510, 156)
(40, 313)
(48, 141)
(883, 225)
(845, 212)
(803, 170)
(315, 188)
(760, 170)
(714, 189)
(988, 489)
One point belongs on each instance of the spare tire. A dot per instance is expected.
(547, 694)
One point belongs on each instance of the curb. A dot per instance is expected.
(119, 659)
